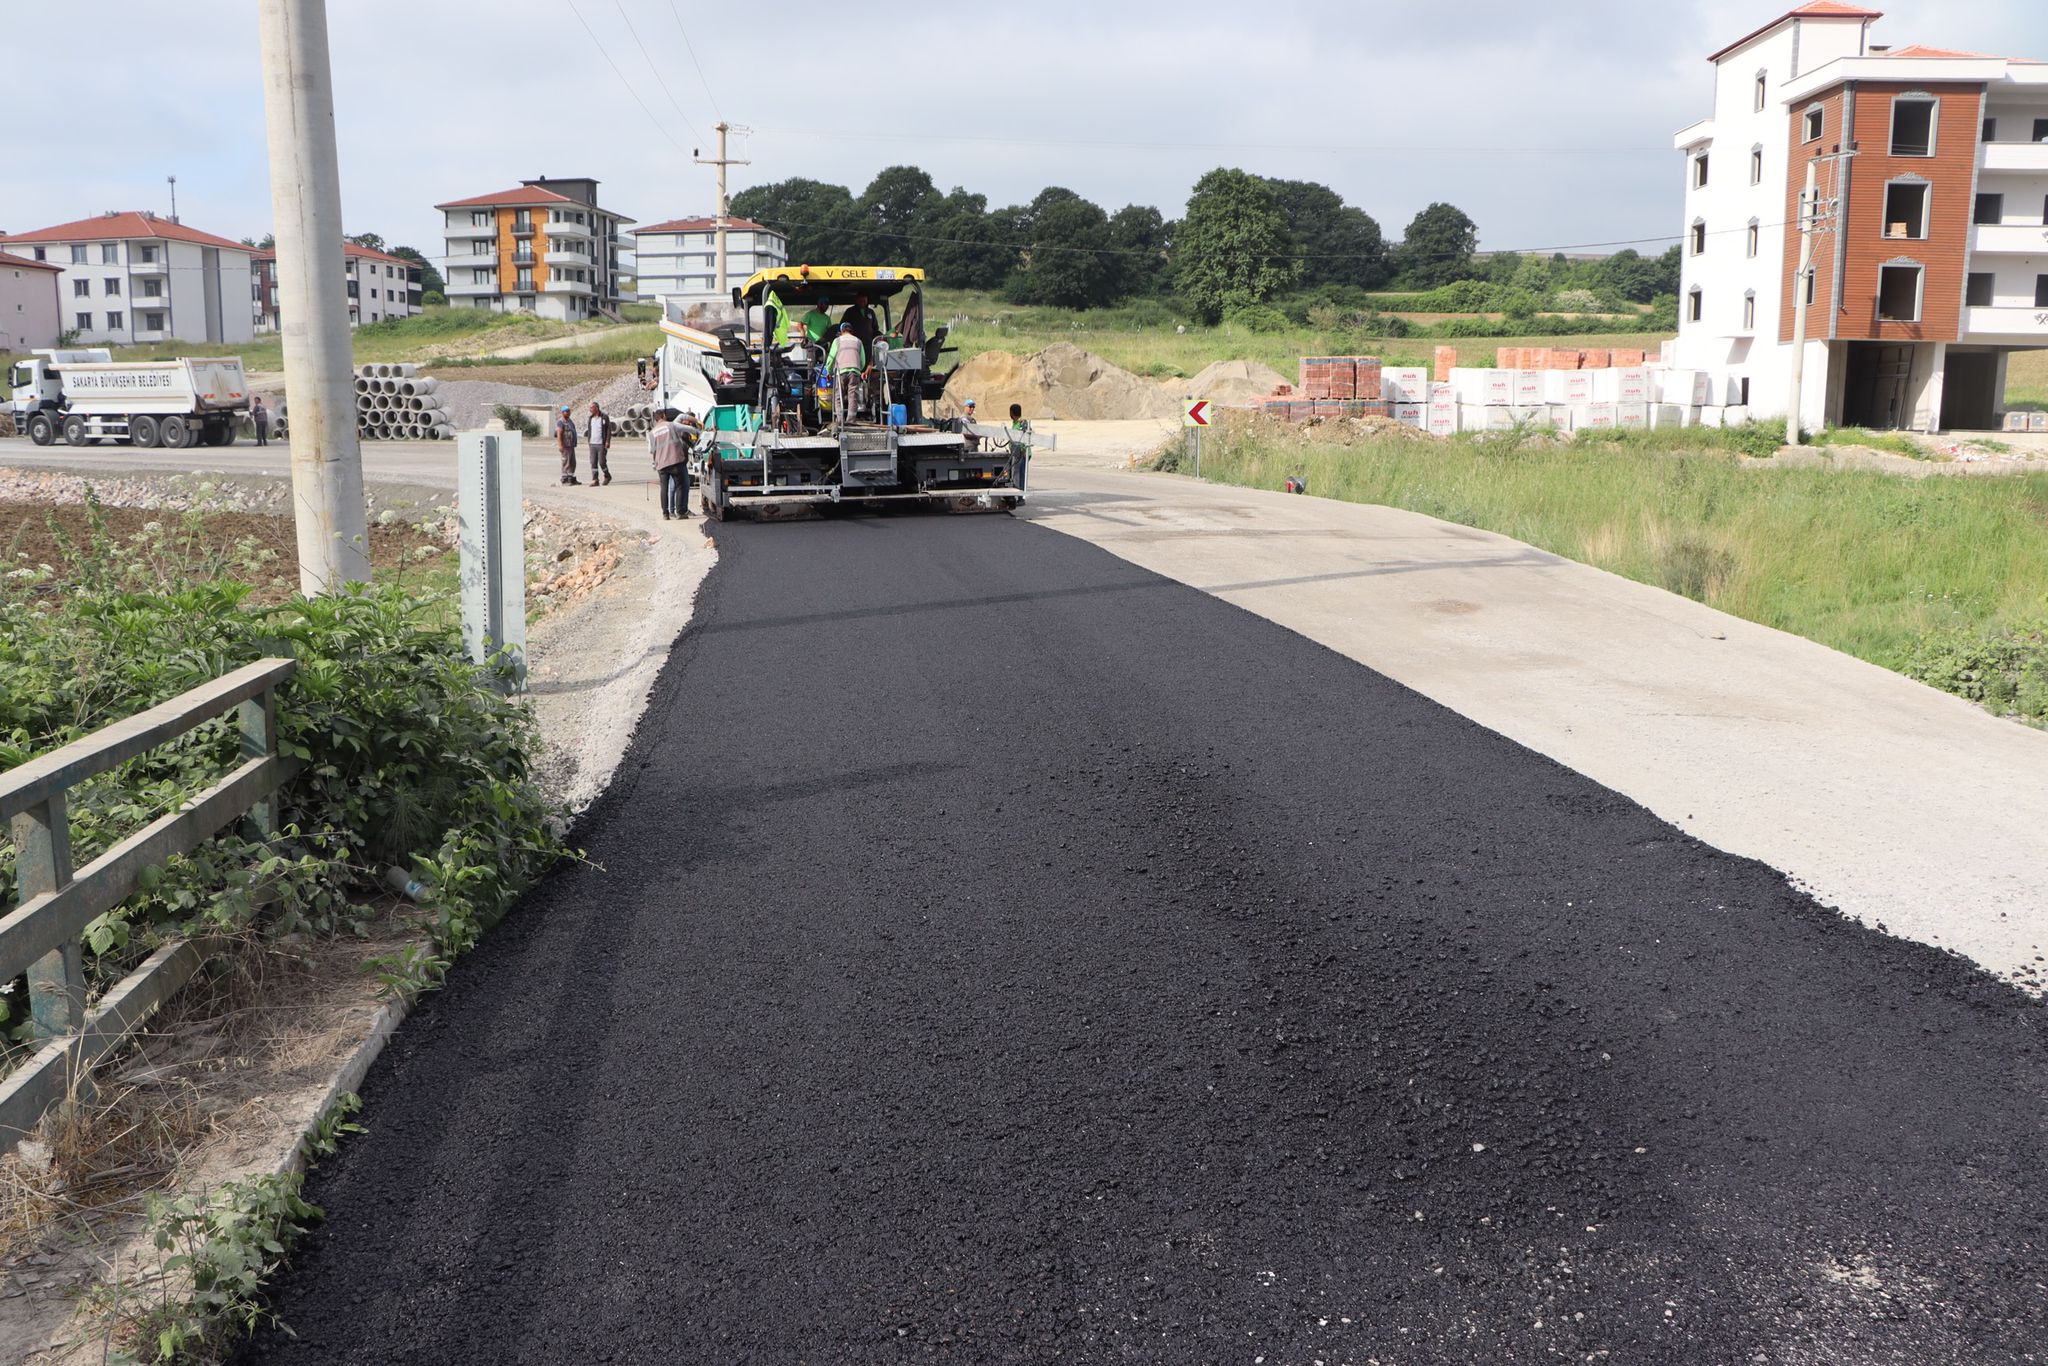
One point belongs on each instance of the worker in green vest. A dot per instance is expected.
(777, 319)
(818, 324)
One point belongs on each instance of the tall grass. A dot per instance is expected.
(1870, 564)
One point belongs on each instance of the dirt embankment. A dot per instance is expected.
(1065, 383)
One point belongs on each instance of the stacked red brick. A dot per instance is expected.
(1333, 386)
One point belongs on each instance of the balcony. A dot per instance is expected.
(2025, 157)
(522, 229)
(558, 256)
(559, 232)
(149, 334)
(471, 291)
(2026, 239)
(1979, 323)
(523, 258)
(487, 233)
(555, 286)
(160, 266)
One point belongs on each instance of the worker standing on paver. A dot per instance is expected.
(849, 359)
(565, 442)
(817, 324)
(668, 445)
(599, 431)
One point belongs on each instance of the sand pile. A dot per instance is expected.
(1231, 382)
(1060, 382)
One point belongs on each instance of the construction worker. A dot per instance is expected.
(862, 319)
(776, 315)
(967, 420)
(1020, 441)
(817, 324)
(599, 430)
(565, 442)
(849, 359)
(668, 446)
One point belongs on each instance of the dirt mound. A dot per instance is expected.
(1231, 381)
(1060, 382)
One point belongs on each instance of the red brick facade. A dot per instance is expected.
(1943, 254)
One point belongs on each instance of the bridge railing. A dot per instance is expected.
(41, 935)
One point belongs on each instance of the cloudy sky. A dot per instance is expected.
(1550, 134)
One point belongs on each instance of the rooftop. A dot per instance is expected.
(1814, 9)
(119, 226)
(23, 263)
(703, 225)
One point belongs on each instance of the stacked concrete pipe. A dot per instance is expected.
(394, 402)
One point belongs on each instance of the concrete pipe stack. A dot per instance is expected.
(396, 402)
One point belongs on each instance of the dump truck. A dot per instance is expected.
(774, 436)
(87, 396)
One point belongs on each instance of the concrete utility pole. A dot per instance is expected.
(1802, 283)
(724, 219)
(305, 198)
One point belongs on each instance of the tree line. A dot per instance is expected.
(1246, 244)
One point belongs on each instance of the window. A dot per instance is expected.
(1756, 165)
(1905, 208)
(1749, 311)
(1898, 292)
(1812, 286)
(1762, 85)
(1756, 237)
(2041, 130)
(2041, 291)
(146, 255)
(78, 255)
(1699, 235)
(113, 286)
(1990, 209)
(1913, 118)
(1694, 302)
(1699, 171)
(480, 218)
(81, 289)
(110, 254)
(152, 322)
(42, 254)
(1991, 130)
(1978, 292)
(116, 321)
(84, 322)
(1813, 124)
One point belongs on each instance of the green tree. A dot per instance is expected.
(1339, 245)
(430, 279)
(1231, 253)
(1068, 263)
(1438, 246)
(820, 220)
(1630, 275)
(369, 241)
(898, 206)
(960, 247)
(1141, 237)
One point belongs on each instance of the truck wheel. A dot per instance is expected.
(143, 431)
(74, 431)
(176, 434)
(41, 429)
(224, 434)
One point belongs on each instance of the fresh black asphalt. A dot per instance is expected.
(992, 952)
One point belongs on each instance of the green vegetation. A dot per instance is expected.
(435, 332)
(516, 420)
(413, 757)
(1944, 579)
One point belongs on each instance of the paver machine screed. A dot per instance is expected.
(778, 435)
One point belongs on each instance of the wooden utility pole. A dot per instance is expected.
(305, 198)
(724, 219)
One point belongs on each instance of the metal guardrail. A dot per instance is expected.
(41, 935)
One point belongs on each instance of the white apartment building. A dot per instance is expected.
(679, 259)
(29, 305)
(1931, 263)
(379, 287)
(135, 277)
(545, 248)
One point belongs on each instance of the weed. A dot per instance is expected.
(518, 421)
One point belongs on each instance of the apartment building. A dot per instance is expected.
(545, 248)
(1931, 250)
(679, 259)
(379, 287)
(28, 303)
(135, 277)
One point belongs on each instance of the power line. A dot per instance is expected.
(602, 52)
(1117, 144)
(659, 79)
(690, 47)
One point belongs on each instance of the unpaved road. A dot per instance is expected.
(994, 952)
